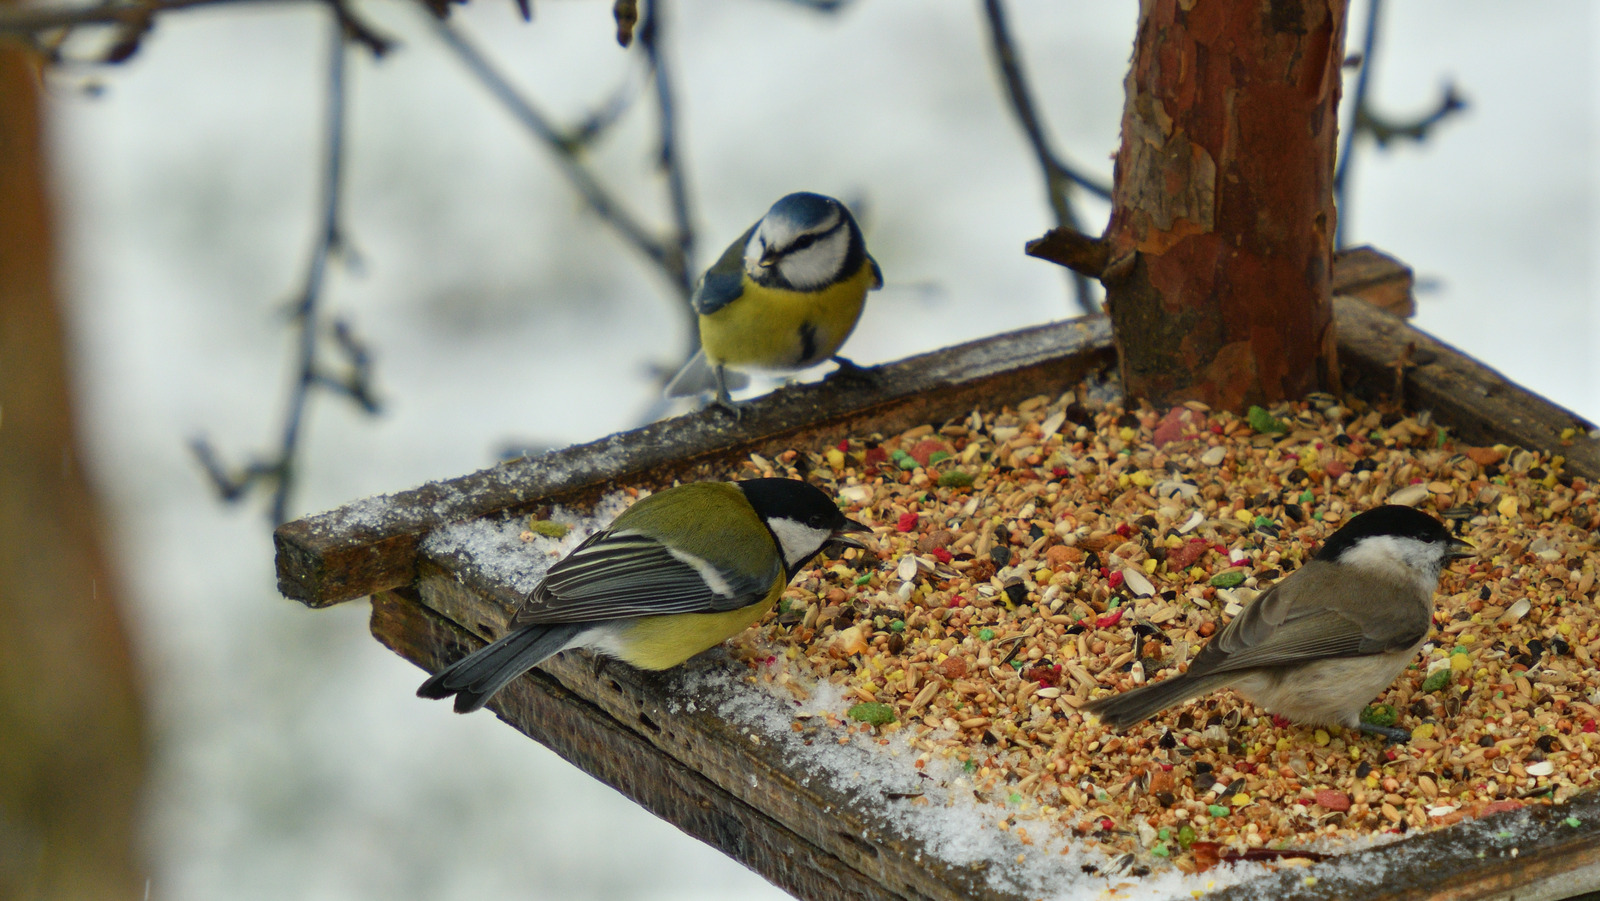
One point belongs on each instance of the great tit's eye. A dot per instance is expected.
(818, 521)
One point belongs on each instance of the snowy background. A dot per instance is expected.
(292, 760)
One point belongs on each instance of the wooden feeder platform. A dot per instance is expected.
(696, 770)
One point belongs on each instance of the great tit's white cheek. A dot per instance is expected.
(796, 539)
(819, 264)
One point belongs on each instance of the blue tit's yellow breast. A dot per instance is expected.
(775, 328)
(661, 642)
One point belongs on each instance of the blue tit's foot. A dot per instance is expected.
(723, 399)
(729, 404)
(849, 371)
(1394, 734)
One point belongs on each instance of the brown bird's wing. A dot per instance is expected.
(1318, 612)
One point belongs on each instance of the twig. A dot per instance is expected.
(1366, 120)
(607, 207)
(328, 240)
(682, 237)
(1058, 176)
(16, 19)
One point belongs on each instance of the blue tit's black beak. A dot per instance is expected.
(845, 534)
(769, 257)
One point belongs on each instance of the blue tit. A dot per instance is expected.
(1319, 645)
(678, 572)
(782, 298)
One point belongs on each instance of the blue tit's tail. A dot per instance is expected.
(475, 678)
(697, 377)
(1139, 704)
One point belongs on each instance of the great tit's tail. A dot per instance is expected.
(697, 377)
(475, 678)
(1139, 704)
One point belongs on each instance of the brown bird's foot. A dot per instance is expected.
(849, 371)
(1394, 734)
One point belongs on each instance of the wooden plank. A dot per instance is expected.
(1381, 354)
(689, 768)
(371, 545)
(1526, 855)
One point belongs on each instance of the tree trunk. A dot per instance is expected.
(1221, 237)
(71, 727)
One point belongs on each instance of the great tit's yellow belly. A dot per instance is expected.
(661, 642)
(773, 328)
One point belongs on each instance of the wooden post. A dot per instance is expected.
(71, 719)
(1220, 244)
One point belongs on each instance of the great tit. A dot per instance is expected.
(676, 573)
(782, 298)
(1319, 645)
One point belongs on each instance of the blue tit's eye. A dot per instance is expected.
(802, 242)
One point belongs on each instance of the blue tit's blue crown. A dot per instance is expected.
(804, 211)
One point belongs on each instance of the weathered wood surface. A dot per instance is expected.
(371, 545)
(663, 762)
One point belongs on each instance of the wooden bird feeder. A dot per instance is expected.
(694, 768)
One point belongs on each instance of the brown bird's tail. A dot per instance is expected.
(1136, 705)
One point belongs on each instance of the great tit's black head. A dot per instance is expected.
(1409, 532)
(805, 242)
(801, 516)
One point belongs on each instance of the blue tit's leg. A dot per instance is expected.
(1394, 734)
(723, 398)
(849, 371)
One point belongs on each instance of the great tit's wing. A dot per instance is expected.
(1319, 612)
(724, 281)
(620, 574)
(877, 274)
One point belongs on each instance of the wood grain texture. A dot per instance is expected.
(692, 769)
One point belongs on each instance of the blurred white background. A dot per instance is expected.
(292, 760)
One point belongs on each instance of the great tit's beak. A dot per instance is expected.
(1459, 549)
(845, 534)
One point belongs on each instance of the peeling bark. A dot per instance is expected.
(1221, 237)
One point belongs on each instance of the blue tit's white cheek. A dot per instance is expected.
(818, 265)
(797, 540)
(753, 251)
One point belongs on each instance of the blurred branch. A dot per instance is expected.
(682, 237)
(1367, 120)
(355, 381)
(1059, 177)
(665, 254)
(31, 20)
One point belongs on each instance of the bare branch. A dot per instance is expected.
(670, 160)
(606, 206)
(1366, 120)
(327, 241)
(21, 20)
(1058, 176)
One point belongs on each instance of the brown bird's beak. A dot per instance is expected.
(1460, 549)
(846, 533)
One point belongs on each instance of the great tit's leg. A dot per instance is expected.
(850, 371)
(723, 398)
(1394, 734)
